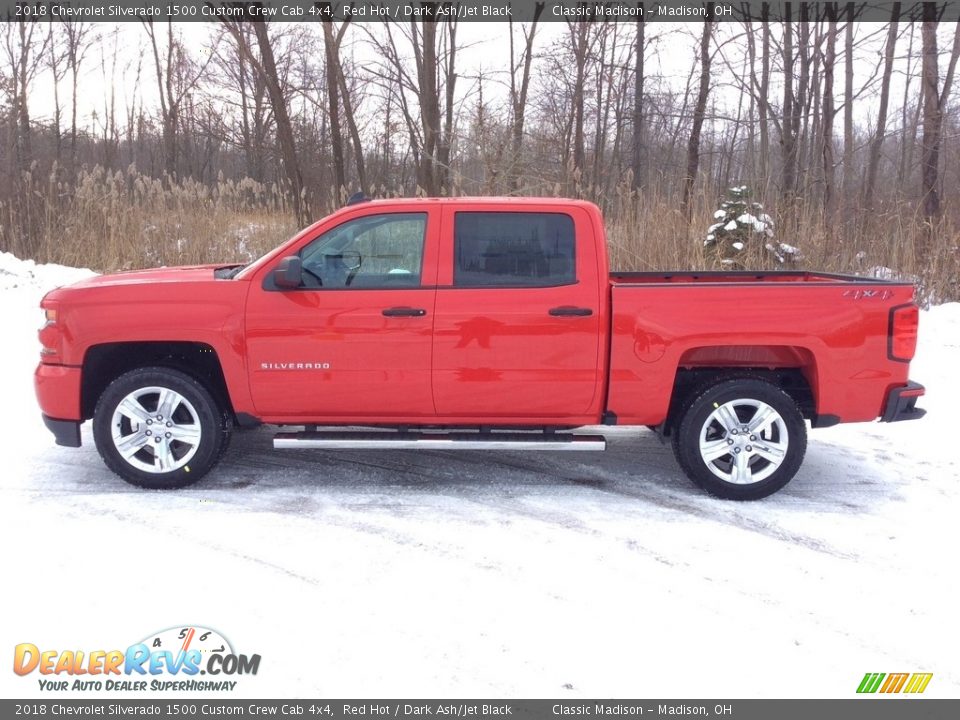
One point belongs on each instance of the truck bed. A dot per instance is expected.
(738, 277)
(834, 329)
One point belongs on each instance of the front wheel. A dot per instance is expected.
(741, 439)
(159, 428)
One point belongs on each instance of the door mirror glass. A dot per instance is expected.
(289, 273)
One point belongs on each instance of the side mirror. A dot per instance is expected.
(289, 273)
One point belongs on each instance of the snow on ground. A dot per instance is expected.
(448, 574)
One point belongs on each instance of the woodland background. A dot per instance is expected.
(846, 131)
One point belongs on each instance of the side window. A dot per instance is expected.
(376, 251)
(508, 249)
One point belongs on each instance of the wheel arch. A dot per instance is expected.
(103, 363)
(717, 462)
(798, 381)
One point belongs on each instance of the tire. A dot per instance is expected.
(159, 428)
(712, 449)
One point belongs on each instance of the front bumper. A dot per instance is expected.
(902, 403)
(65, 432)
(58, 392)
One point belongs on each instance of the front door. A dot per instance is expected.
(354, 340)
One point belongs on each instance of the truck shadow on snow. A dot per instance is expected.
(636, 467)
(634, 482)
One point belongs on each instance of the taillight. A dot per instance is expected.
(902, 342)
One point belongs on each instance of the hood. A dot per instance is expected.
(189, 273)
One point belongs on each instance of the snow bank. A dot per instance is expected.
(19, 274)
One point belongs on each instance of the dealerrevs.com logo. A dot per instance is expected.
(172, 659)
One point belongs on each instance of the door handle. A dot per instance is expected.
(570, 311)
(404, 312)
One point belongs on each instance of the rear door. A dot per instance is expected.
(354, 341)
(517, 315)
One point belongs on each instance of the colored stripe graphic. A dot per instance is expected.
(870, 682)
(918, 683)
(894, 683)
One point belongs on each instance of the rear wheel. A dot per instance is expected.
(741, 439)
(159, 428)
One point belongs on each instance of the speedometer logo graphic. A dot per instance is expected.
(182, 639)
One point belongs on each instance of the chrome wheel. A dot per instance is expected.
(743, 441)
(156, 429)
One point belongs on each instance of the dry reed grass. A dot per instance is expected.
(113, 221)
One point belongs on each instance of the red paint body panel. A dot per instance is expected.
(840, 341)
(58, 391)
(172, 304)
(498, 353)
(490, 356)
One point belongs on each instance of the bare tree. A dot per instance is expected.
(266, 67)
(333, 100)
(288, 148)
(699, 111)
(56, 63)
(828, 114)
(638, 164)
(249, 121)
(24, 49)
(433, 77)
(934, 103)
(176, 76)
(519, 92)
(346, 96)
(78, 39)
(788, 143)
(848, 137)
(876, 144)
(579, 38)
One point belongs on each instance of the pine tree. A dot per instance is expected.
(743, 231)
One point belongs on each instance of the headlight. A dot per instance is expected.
(50, 334)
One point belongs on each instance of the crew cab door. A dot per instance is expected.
(517, 321)
(354, 340)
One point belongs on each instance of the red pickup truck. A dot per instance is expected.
(470, 323)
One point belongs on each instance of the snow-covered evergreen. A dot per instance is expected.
(743, 230)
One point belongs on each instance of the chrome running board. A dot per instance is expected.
(437, 441)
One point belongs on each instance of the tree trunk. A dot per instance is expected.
(930, 158)
(288, 149)
(518, 97)
(445, 140)
(906, 146)
(22, 109)
(828, 113)
(848, 139)
(638, 164)
(333, 104)
(693, 145)
(579, 32)
(429, 106)
(764, 93)
(350, 115)
(800, 100)
(787, 139)
(877, 143)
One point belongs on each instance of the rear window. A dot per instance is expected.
(506, 249)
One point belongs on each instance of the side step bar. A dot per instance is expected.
(436, 441)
